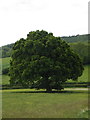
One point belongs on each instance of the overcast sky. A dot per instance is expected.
(61, 17)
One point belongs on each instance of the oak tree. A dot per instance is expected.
(43, 61)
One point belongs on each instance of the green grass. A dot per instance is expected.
(5, 80)
(5, 62)
(26, 104)
(84, 77)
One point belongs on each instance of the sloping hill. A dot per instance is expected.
(77, 38)
(6, 50)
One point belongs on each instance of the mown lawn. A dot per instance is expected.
(26, 103)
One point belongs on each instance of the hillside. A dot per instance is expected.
(77, 38)
(6, 50)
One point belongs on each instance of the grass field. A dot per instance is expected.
(5, 62)
(85, 76)
(26, 103)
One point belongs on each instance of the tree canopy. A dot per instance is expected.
(43, 61)
(79, 43)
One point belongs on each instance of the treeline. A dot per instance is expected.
(79, 43)
(77, 38)
(6, 50)
(83, 50)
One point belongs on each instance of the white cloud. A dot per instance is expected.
(62, 17)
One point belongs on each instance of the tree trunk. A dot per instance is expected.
(48, 89)
(47, 85)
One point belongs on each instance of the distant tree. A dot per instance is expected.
(43, 61)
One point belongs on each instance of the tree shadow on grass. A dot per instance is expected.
(59, 92)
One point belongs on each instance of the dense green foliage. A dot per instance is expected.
(5, 71)
(43, 61)
(82, 81)
(83, 78)
(79, 43)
